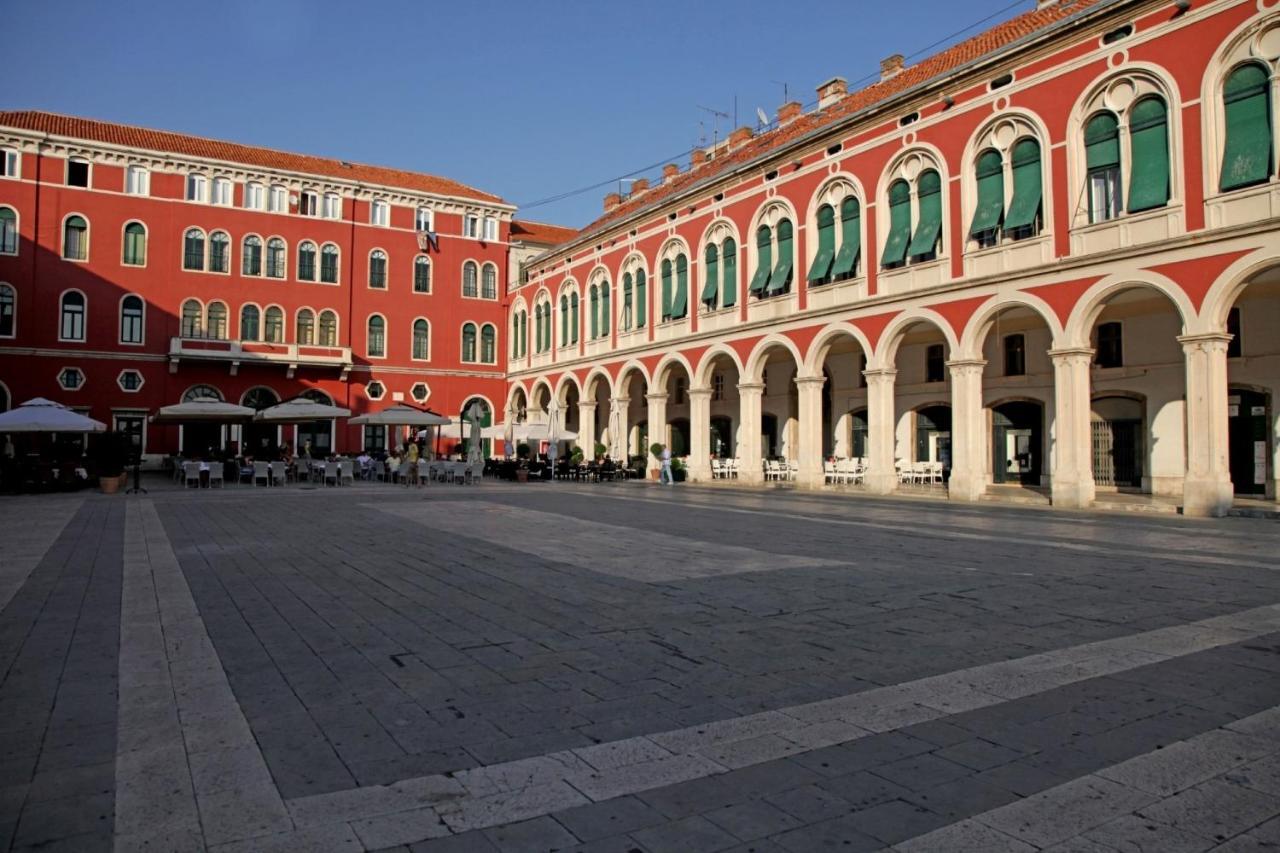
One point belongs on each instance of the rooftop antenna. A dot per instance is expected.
(716, 115)
(622, 181)
(786, 90)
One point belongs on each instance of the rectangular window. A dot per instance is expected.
(332, 206)
(471, 225)
(1015, 355)
(935, 368)
(1235, 348)
(422, 219)
(77, 173)
(1104, 194)
(717, 387)
(130, 323)
(308, 204)
(253, 196)
(222, 191)
(8, 163)
(380, 213)
(278, 200)
(1110, 345)
(132, 426)
(196, 185)
(375, 438)
(72, 323)
(137, 181)
(490, 228)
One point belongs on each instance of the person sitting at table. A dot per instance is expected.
(364, 460)
(393, 465)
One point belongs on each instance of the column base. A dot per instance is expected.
(881, 484)
(1207, 498)
(751, 475)
(1071, 494)
(965, 487)
(811, 479)
(699, 474)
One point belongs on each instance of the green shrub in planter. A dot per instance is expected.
(678, 471)
(522, 451)
(656, 449)
(601, 449)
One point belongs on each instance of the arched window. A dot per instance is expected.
(201, 392)
(73, 315)
(75, 239)
(780, 280)
(606, 308)
(376, 345)
(249, 315)
(306, 261)
(1246, 103)
(564, 319)
(469, 338)
(628, 302)
(251, 251)
(378, 269)
(666, 269)
(469, 279)
(989, 212)
(305, 332)
(515, 334)
(273, 325)
(135, 245)
(489, 282)
(192, 318)
(729, 259)
(539, 317)
(524, 333)
(329, 263)
(1148, 154)
(1102, 162)
(593, 299)
(641, 298)
(680, 299)
(421, 339)
(820, 270)
(8, 311)
(845, 264)
(421, 274)
(8, 231)
(131, 310)
(217, 326)
(193, 250)
(1024, 217)
(764, 261)
(573, 318)
(895, 245)
(488, 344)
(219, 252)
(711, 272)
(328, 329)
(928, 233)
(275, 258)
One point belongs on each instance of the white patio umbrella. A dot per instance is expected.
(526, 432)
(41, 415)
(508, 434)
(299, 410)
(553, 423)
(616, 439)
(401, 414)
(202, 410)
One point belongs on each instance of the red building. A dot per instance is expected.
(139, 268)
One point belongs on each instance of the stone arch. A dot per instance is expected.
(887, 349)
(662, 372)
(1079, 325)
(625, 371)
(1229, 286)
(597, 374)
(753, 370)
(1021, 123)
(701, 378)
(563, 384)
(980, 323)
(719, 228)
(821, 345)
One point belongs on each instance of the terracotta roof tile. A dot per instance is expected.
(541, 233)
(966, 51)
(196, 146)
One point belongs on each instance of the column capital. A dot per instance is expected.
(590, 404)
(803, 381)
(1066, 355)
(658, 397)
(880, 376)
(969, 366)
(699, 392)
(1207, 342)
(749, 387)
(620, 401)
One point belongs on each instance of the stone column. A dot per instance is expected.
(1072, 475)
(968, 431)
(622, 441)
(810, 444)
(1207, 489)
(749, 398)
(587, 430)
(882, 476)
(657, 427)
(699, 434)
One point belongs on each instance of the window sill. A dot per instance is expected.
(1128, 229)
(914, 276)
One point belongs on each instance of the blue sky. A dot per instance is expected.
(528, 100)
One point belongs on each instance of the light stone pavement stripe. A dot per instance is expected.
(949, 533)
(518, 790)
(189, 774)
(25, 542)
(605, 548)
(1171, 798)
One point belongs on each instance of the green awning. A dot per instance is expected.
(729, 252)
(1247, 155)
(826, 244)
(990, 207)
(1102, 141)
(606, 311)
(764, 260)
(929, 228)
(1149, 142)
(846, 262)
(711, 262)
(1027, 185)
(680, 300)
(641, 298)
(895, 244)
(781, 278)
(666, 289)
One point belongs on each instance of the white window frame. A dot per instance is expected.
(197, 187)
(84, 379)
(142, 323)
(14, 289)
(277, 199)
(424, 219)
(88, 175)
(471, 226)
(490, 228)
(380, 213)
(221, 192)
(308, 203)
(382, 386)
(137, 180)
(255, 195)
(10, 163)
(332, 206)
(426, 392)
(142, 380)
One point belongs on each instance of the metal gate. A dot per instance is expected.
(1117, 453)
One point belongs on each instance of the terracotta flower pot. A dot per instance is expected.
(109, 485)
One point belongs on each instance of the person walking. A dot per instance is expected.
(666, 478)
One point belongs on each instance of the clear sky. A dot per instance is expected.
(524, 99)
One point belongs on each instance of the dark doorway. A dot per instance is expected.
(859, 434)
(768, 436)
(1247, 438)
(721, 437)
(933, 435)
(1017, 432)
(259, 440)
(1118, 451)
(680, 437)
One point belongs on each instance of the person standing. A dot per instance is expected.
(665, 478)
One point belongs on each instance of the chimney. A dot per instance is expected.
(739, 136)
(831, 91)
(789, 111)
(890, 66)
(611, 201)
(639, 185)
(697, 158)
(669, 172)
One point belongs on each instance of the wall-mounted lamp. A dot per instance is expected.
(1181, 5)
(948, 102)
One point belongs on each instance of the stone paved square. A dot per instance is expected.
(621, 667)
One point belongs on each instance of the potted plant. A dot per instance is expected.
(656, 449)
(601, 449)
(678, 471)
(110, 455)
(577, 456)
(522, 463)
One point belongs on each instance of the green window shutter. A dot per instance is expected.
(606, 312)
(1247, 155)
(929, 228)
(826, 245)
(990, 208)
(1027, 185)
(846, 262)
(680, 301)
(628, 290)
(666, 289)
(573, 318)
(711, 263)
(729, 251)
(642, 299)
(781, 278)
(593, 300)
(764, 260)
(1149, 146)
(564, 320)
(895, 245)
(1102, 142)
